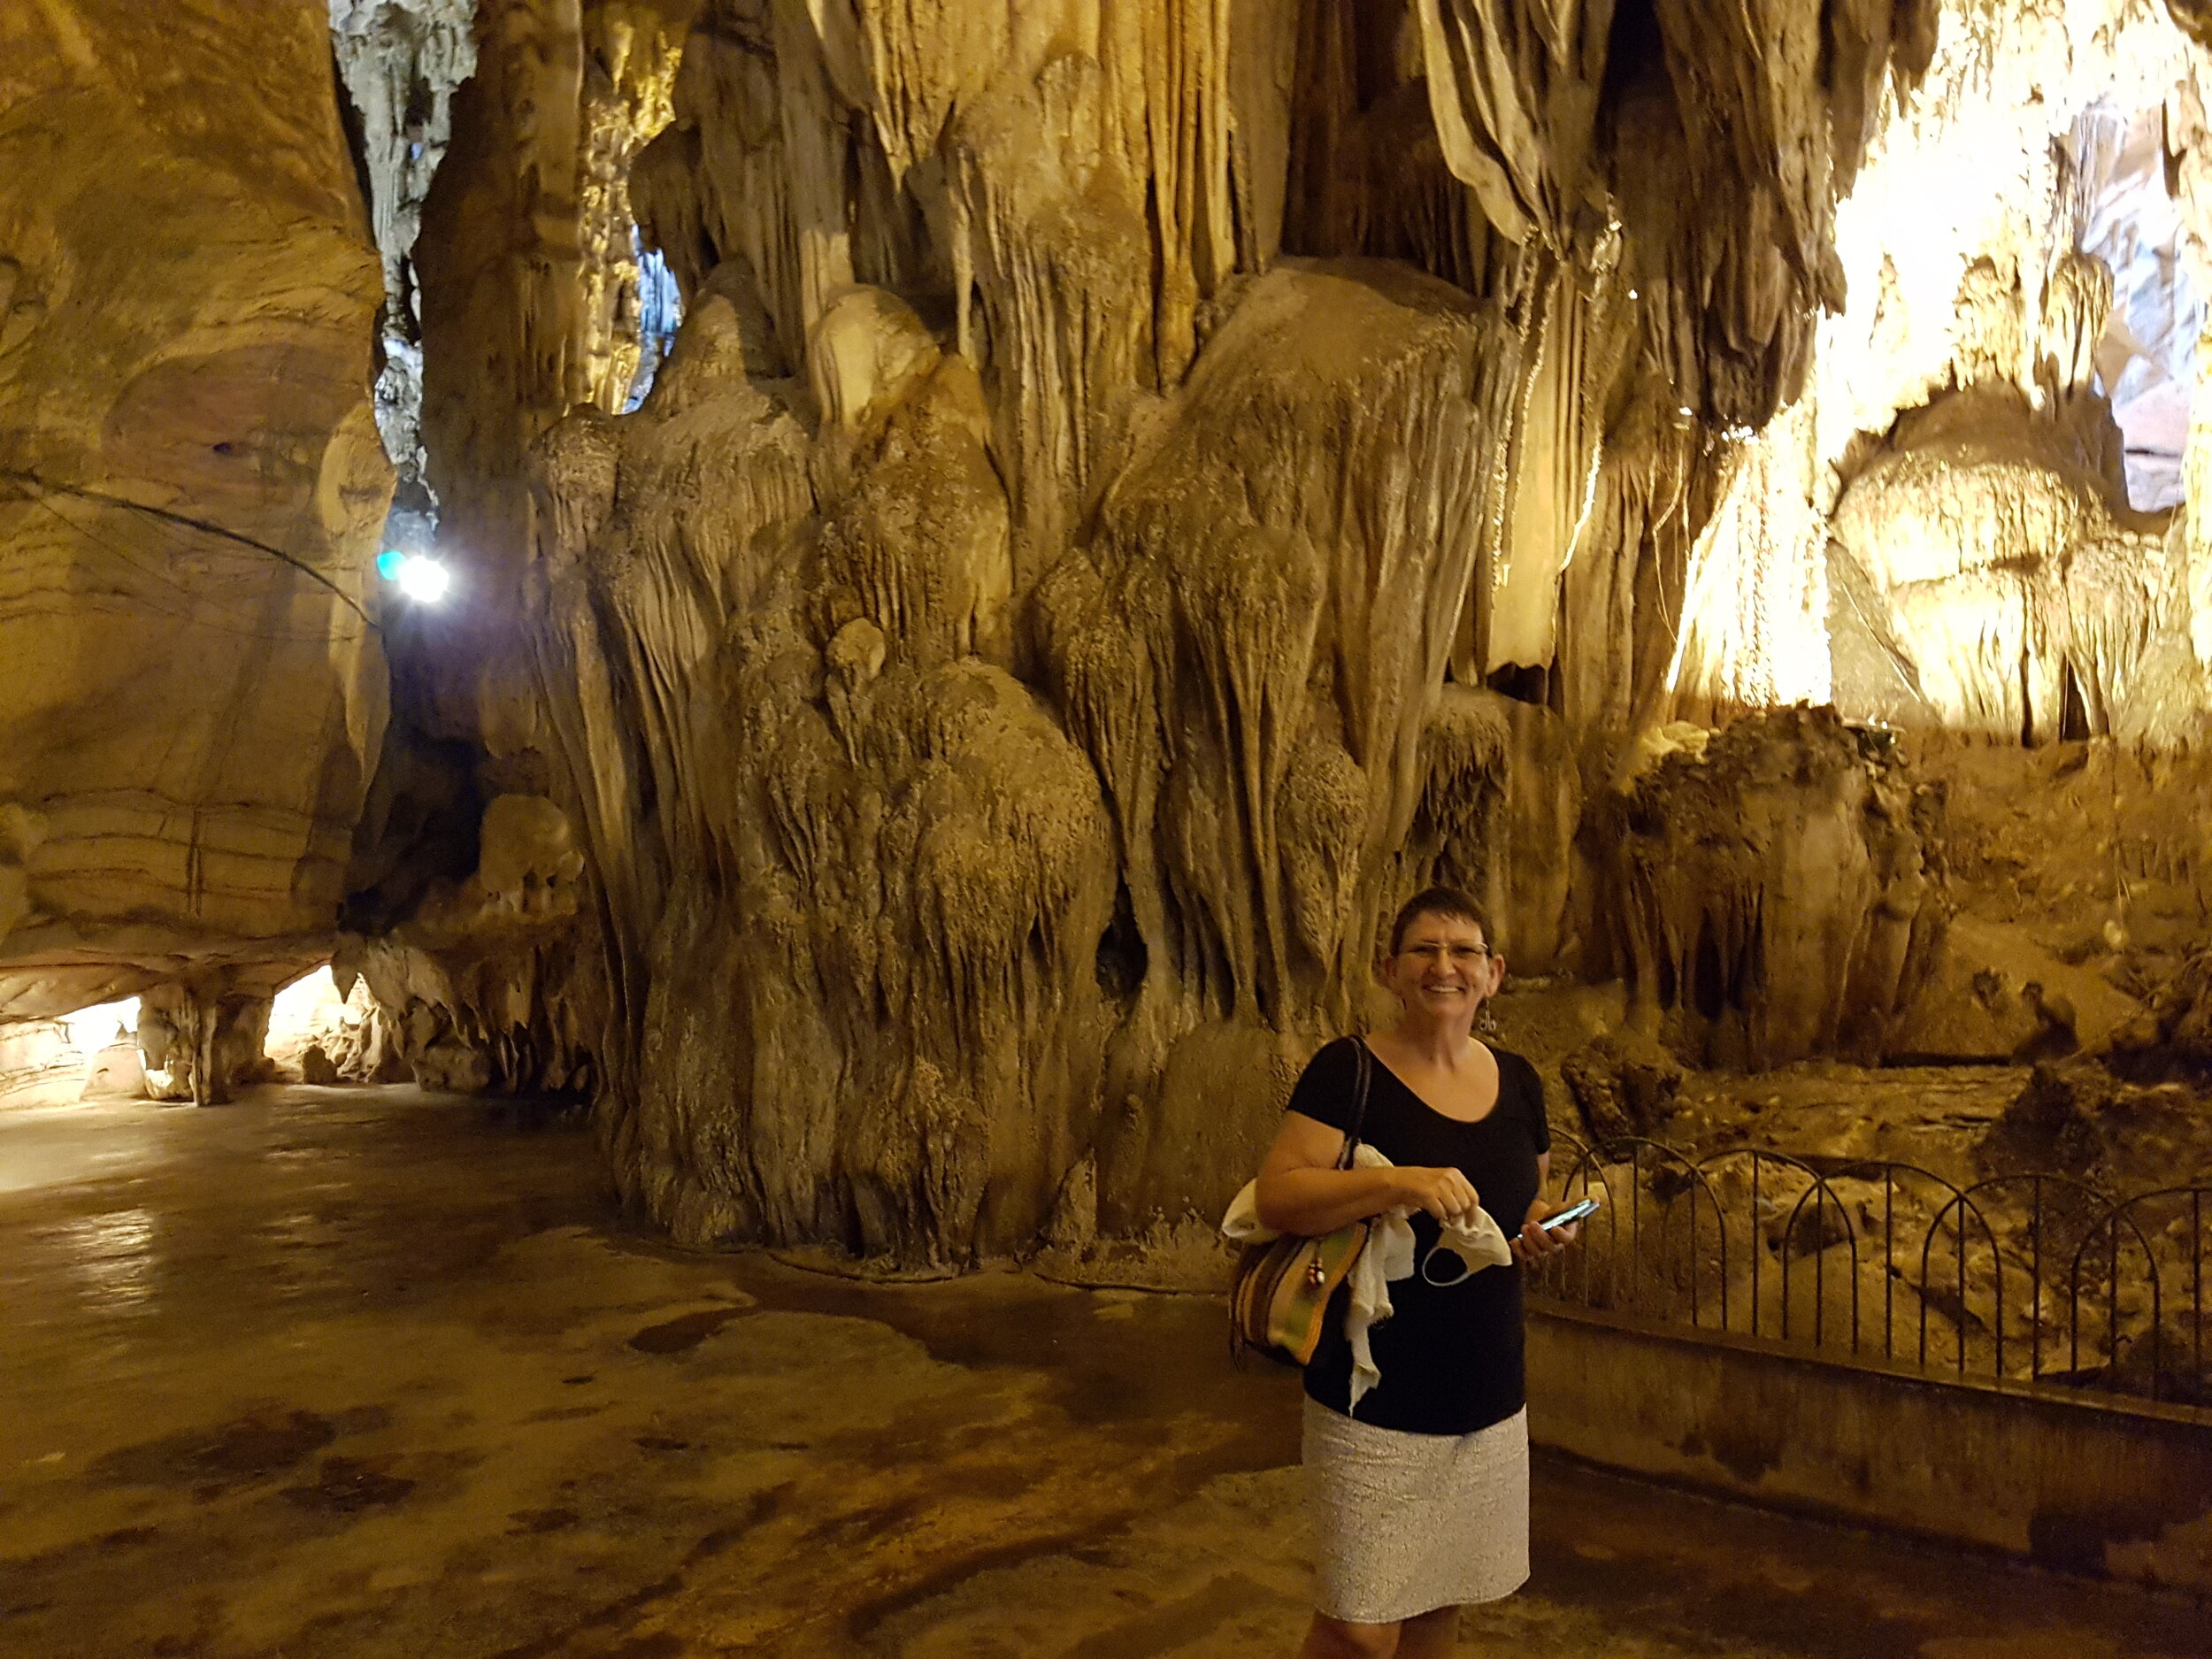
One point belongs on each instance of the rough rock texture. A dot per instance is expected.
(2007, 587)
(1623, 1084)
(199, 1045)
(39, 1065)
(1989, 288)
(1249, 647)
(1315, 444)
(2129, 218)
(1777, 892)
(524, 263)
(1141, 486)
(2054, 1124)
(485, 984)
(400, 62)
(818, 165)
(2078, 866)
(855, 933)
(191, 684)
(2175, 1032)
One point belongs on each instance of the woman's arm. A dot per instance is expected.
(1302, 1192)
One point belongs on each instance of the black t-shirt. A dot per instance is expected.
(1450, 1356)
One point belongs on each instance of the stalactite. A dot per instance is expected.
(1035, 628)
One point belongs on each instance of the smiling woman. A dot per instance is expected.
(1417, 1451)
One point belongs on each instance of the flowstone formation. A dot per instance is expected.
(857, 935)
(1139, 487)
(191, 679)
(1097, 545)
(1997, 581)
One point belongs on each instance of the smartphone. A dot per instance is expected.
(1571, 1214)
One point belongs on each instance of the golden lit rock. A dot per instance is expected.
(1136, 490)
(191, 676)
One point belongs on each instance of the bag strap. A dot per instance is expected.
(1365, 1061)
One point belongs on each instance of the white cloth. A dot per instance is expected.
(1389, 1256)
(1243, 1223)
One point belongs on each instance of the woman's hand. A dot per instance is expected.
(1444, 1194)
(1534, 1244)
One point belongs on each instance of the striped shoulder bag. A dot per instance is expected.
(1279, 1297)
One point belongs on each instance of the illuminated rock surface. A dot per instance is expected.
(1138, 490)
(191, 682)
(970, 555)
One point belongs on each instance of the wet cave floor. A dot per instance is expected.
(337, 1373)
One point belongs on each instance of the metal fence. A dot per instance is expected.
(2039, 1278)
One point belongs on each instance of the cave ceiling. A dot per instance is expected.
(1137, 488)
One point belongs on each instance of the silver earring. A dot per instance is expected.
(1487, 1023)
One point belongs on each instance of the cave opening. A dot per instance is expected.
(88, 1053)
(1122, 958)
(314, 1028)
(660, 314)
(2128, 213)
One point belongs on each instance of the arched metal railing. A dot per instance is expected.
(2005, 1278)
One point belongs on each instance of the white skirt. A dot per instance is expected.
(1404, 1523)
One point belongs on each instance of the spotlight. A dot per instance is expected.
(425, 581)
(422, 579)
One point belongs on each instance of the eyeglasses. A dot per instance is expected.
(1447, 953)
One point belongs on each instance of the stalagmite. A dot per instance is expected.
(1778, 888)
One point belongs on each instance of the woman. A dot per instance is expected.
(1420, 1495)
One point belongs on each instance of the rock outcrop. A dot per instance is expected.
(490, 982)
(857, 872)
(1624, 1084)
(1776, 891)
(191, 679)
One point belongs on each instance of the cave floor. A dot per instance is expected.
(338, 1373)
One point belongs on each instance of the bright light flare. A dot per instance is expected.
(421, 578)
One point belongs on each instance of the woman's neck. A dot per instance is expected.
(1445, 1044)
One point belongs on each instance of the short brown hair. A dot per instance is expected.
(1449, 903)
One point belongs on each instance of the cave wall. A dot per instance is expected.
(1925, 535)
(1139, 487)
(191, 675)
(1097, 544)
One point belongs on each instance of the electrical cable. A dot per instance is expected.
(30, 486)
